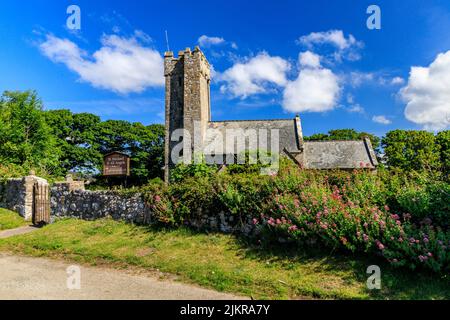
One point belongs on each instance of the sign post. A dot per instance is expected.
(116, 164)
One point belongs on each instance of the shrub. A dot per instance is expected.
(360, 211)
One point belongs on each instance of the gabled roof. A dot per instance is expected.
(339, 155)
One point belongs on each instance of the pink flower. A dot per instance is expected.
(426, 240)
(386, 208)
(278, 221)
(365, 237)
(379, 245)
(157, 198)
(255, 221)
(293, 228)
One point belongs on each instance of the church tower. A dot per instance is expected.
(188, 103)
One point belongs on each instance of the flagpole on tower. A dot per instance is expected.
(167, 41)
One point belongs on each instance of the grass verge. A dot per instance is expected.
(223, 262)
(11, 220)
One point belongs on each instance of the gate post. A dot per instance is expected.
(28, 194)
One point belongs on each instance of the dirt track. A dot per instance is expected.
(44, 279)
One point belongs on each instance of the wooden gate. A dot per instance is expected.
(41, 205)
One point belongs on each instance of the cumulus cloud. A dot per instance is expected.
(316, 89)
(205, 41)
(427, 94)
(255, 75)
(381, 120)
(346, 47)
(123, 65)
(309, 59)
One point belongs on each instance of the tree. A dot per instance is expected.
(76, 136)
(443, 141)
(25, 137)
(345, 134)
(144, 144)
(411, 150)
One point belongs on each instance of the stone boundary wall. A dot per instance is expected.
(69, 199)
(91, 205)
(17, 195)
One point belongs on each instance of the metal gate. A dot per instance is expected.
(41, 205)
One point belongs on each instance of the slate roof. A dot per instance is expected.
(339, 155)
(313, 154)
(287, 133)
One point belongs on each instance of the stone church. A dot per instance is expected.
(188, 106)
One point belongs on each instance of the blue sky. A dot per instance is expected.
(271, 59)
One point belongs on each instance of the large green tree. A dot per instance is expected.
(25, 137)
(145, 145)
(77, 137)
(412, 150)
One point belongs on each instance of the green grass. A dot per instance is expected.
(223, 262)
(11, 220)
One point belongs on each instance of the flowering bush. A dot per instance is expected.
(359, 211)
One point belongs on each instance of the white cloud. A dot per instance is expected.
(427, 94)
(122, 65)
(309, 59)
(355, 108)
(346, 46)
(397, 80)
(334, 37)
(255, 76)
(205, 41)
(357, 78)
(381, 120)
(315, 90)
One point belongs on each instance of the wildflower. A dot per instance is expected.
(386, 208)
(358, 234)
(400, 239)
(379, 245)
(278, 221)
(430, 254)
(366, 224)
(157, 198)
(395, 216)
(426, 240)
(344, 240)
(293, 228)
(365, 237)
(255, 221)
